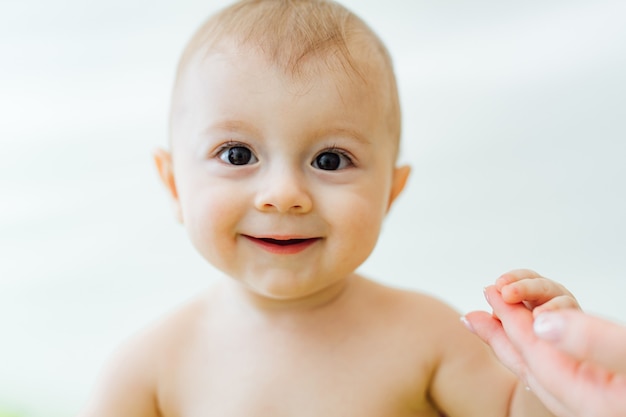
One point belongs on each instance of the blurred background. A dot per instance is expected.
(514, 123)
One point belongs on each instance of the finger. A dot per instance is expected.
(562, 302)
(514, 276)
(585, 337)
(559, 380)
(515, 318)
(490, 331)
(564, 377)
(534, 291)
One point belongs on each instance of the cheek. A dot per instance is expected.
(356, 223)
(211, 216)
(365, 218)
(359, 235)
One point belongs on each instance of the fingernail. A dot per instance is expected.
(467, 324)
(549, 326)
(485, 294)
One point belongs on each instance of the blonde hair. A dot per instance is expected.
(290, 33)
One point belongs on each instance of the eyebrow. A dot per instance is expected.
(344, 132)
(239, 125)
(229, 125)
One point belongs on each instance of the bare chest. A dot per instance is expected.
(274, 376)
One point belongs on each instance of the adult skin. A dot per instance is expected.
(575, 363)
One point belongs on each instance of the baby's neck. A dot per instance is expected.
(250, 300)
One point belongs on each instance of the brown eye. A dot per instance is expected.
(237, 155)
(331, 161)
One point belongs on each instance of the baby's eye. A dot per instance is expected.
(331, 161)
(237, 155)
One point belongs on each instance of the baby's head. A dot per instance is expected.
(303, 39)
(284, 132)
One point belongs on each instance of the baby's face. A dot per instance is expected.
(282, 183)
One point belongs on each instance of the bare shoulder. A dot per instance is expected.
(459, 364)
(129, 382)
(422, 323)
(411, 308)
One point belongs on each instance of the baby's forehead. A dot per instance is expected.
(358, 60)
(366, 81)
(228, 77)
(304, 40)
(364, 71)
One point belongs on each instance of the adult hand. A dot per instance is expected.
(575, 364)
(585, 338)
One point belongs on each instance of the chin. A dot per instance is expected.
(284, 293)
(288, 289)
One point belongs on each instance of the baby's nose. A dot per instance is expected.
(284, 192)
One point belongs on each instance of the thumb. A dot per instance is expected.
(585, 337)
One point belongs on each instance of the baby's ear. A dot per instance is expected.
(400, 176)
(165, 168)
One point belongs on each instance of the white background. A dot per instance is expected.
(514, 123)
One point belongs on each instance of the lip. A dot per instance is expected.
(282, 245)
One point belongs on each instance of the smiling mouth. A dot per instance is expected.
(283, 246)
(283, 242)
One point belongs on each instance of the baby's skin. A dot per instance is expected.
(282, 168)
(368, 350)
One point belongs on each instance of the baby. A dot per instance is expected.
(285, 127)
